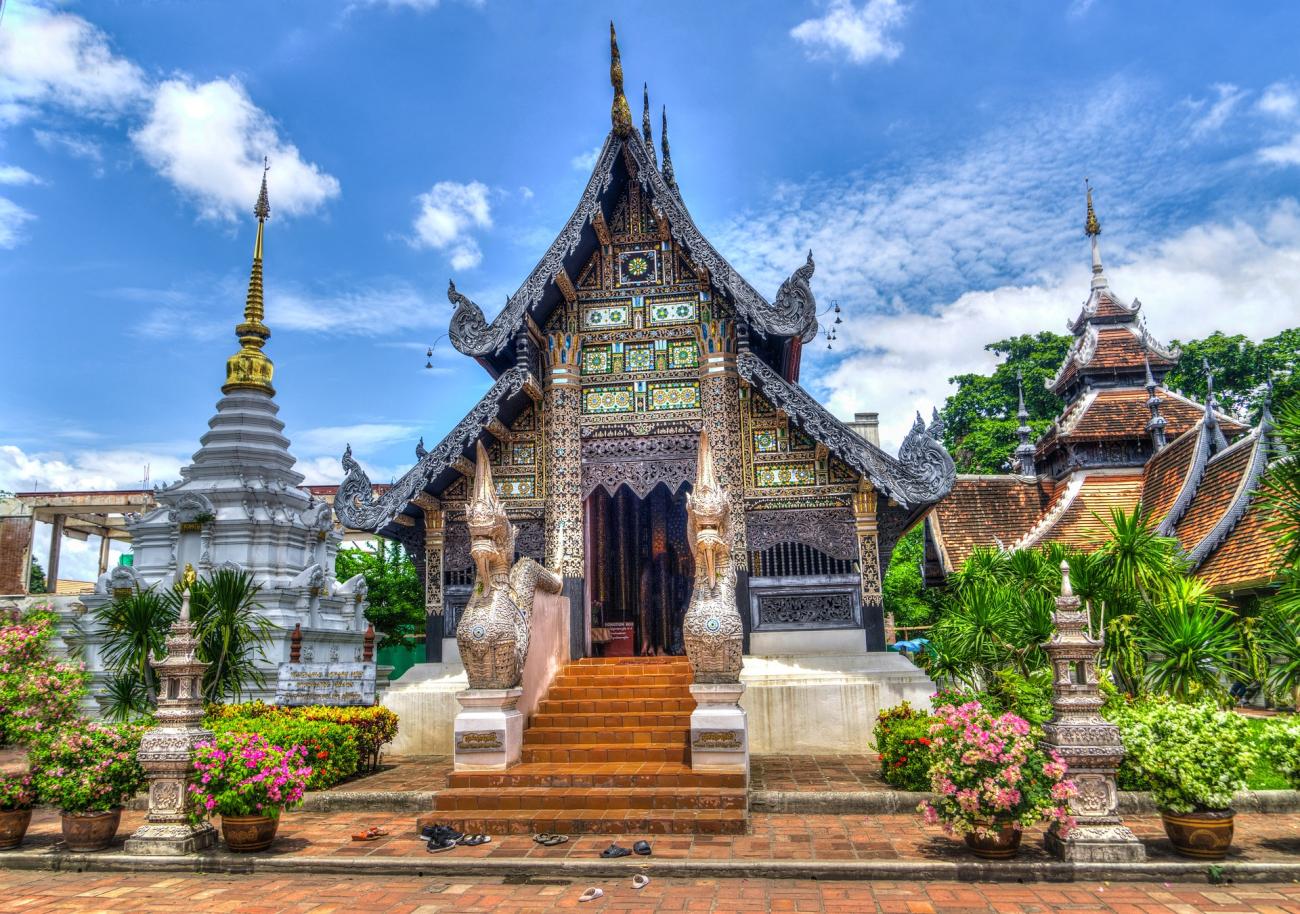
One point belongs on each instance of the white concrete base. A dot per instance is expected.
(719, 734)
(489, 731)
(424, 700)
(825, 703)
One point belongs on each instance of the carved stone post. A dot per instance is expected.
(872, 592)
(167, 749)
(1090, 745)
(562, 454)
(435, 540)
(720, 403)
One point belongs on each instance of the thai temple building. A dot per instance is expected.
(1123, 439)
(630, 337)
(240, 504)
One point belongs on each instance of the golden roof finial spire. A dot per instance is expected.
(1092, 227)
(249, 368)
(619, 113)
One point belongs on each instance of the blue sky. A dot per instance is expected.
(931, 153)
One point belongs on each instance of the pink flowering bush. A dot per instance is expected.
(241, 774)
(987, 771)
(38, 694)
(89, 768)
(16, 792)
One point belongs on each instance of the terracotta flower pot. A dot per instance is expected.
(13, 825)
(248, 833)
(90, 831)
(1000, 845)
(1205, 835)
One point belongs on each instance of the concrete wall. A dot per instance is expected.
(548, 651)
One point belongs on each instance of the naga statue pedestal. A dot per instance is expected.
(489, 730)
(719, 731)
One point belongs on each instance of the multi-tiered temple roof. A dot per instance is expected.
(1123, 439)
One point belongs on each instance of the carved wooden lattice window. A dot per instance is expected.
(795, 560)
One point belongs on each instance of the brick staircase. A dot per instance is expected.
(608, 752)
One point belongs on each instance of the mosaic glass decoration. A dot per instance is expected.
(674, 395)
(637, 268)
(777, 475)
(683, 354)
(765, 441)
(598, 318)
(639, 358)
(597, 400)
(760, 406)
(595, 360)
(672, 312)
(801, 442)
(516, 487)
(523, 455)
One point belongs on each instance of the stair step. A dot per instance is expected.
(606, 775)
(623, 736)
(631, 661)
(618, 693)
(552, 705)
(567, 753)
(593, 821)
(640, 719)
(509, 799)
(571, 681)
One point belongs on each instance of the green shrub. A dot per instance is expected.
(330, 749)
(903, 743)
(1195, 757)
(89, 768)
(373, 726)
(38, 695)
(1282, 748)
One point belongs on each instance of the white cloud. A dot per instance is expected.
(209, 139)
(12, 174)
(12, 219)
(1227, 97)
(1287, 153)
(586, 161)
(87, 470)
(1238, 276)
(860, 33)
(1280, 100)
(1079, 8)
(364, 436)
(52, 57)
(75, 145)
(449, 212)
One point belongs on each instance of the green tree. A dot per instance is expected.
(906, 595)
(36, 578)
(980, 418)
(395, 594)
(1241, 369)
(1280, 619)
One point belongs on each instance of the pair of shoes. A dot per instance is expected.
(374, 833)
(546, 839)
(441, 837)
(473, 840)
(641, 848)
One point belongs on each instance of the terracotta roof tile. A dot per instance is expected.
(983, 510)
(1219, 487)
(1084, 520)
(1122, 413)
(1166, 474)
(1247, 557)
(1118, 348)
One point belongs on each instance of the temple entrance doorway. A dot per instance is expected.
(639, 570)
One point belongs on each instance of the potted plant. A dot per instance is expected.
(991, 780)
(16, 798)
(1195, 757)
(248, 782)
(88, 772)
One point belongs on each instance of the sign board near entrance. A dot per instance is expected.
(338, 684)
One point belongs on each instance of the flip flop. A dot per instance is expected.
(614, 850)
(591, 894)
(642, 848)
(555, 840)
(472, 840)
(640, 881)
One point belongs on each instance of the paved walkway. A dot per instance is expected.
(83, 893)
(766, 772)
(1259, 838)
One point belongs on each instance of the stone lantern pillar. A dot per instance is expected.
(1089, 744)
(166, 752)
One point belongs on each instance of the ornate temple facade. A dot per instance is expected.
(1123, 439)
(630, 337)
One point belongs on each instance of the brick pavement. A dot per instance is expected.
(771, 837)
(84, 893)
(766, 772)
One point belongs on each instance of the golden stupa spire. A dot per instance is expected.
(249, 368)
(619, 113)
(1091, 227)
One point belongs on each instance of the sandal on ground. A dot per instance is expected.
(591, 894)
(472, 840)
(640, 881)
(615, 851)
(374, 833)
(546, 839)
(642, 848)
